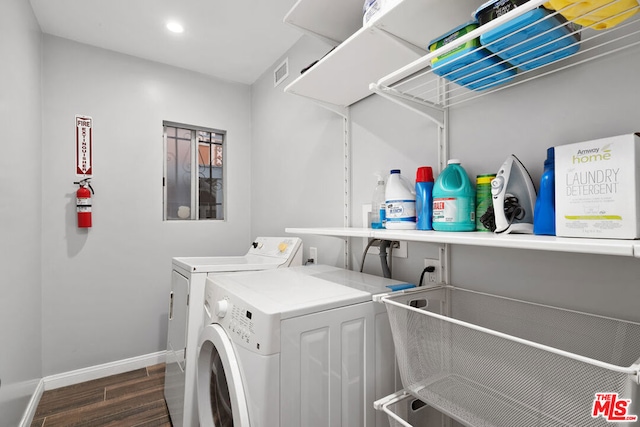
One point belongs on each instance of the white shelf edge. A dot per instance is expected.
(615, 247)
(332, 231)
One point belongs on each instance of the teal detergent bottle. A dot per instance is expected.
(454, 204)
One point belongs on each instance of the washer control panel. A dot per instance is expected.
(245, 325)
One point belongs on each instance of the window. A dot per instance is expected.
(193, 176)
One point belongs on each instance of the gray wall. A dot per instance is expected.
(20, 190)
(296, 159)
(591, 101)
(105, 290)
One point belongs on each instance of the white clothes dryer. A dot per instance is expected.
(305, 346)
(186, 315)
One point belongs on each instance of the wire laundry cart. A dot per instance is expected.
(485, 360)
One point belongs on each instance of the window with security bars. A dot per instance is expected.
(193, 173)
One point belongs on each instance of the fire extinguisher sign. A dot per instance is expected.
(84, 146)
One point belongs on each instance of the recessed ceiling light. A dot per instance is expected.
(174, 27)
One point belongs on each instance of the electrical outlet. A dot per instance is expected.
(313, 255)
(435, 276)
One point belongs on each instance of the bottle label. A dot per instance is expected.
(401, 210)
(452, 209)
(383, 212)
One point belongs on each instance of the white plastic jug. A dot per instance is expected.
(400, 198)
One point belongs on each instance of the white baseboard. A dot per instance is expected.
(30, 411)
(99, 371)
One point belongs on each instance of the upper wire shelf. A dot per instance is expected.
(495, 69)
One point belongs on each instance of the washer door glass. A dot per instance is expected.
(221, 398)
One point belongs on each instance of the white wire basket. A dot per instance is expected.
(404, 410)
(485, 360)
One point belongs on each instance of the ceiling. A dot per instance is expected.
(236, 40)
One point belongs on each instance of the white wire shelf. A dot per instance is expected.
(614, 247)
(417, 82)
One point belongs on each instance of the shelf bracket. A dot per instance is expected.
(311, 33)
(401, 42)
(426, 109)
(338, 109)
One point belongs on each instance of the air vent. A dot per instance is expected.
(281, 72)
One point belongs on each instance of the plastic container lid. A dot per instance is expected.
(485, 179)
(486, 5)
(456, 29)
(395, 171)
(424, 174)
(454, 162)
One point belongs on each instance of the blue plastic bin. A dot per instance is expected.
(532, 39)
(469, 65)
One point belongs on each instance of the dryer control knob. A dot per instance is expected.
(221, 308)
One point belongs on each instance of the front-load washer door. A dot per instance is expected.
(221, 397)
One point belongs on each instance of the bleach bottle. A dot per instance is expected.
(454, 204)
(401, 203)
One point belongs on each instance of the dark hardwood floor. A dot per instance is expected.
(131, 399)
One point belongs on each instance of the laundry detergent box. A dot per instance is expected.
(597, 187)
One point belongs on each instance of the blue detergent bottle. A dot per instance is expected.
(454, 200)
(424, 198)
(544, 213)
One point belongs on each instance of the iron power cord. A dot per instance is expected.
(512, 210)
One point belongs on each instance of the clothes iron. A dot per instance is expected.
(514, 198)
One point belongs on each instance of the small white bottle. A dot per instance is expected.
(400, 200)
(378, 204)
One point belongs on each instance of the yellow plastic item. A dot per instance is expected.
(594, 13)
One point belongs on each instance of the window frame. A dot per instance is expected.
(194, 178)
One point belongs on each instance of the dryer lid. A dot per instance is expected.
(264, 253)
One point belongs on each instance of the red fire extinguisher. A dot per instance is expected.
(83, 203)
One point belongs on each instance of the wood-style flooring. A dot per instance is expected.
(131, 399)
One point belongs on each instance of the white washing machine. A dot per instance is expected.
(186, 315)
(305, 346)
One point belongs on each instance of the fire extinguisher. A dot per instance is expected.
(83, 202)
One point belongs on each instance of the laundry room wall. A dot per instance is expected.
(297, 167)
(105, 290)
(590, 101)
(20, 207)
(307, 190)
(310, 139)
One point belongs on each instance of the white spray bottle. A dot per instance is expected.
(378, 206)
